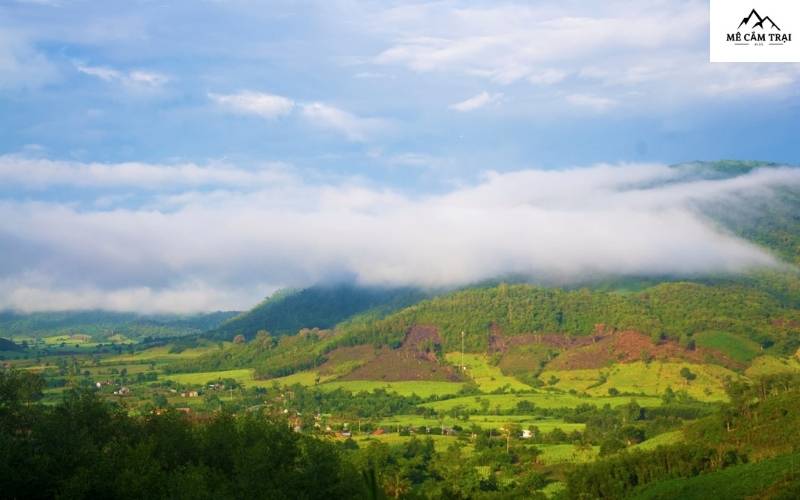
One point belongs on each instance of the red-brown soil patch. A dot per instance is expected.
(416, 359)
(360, 353)
(628, 347)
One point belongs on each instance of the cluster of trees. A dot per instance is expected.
(85, 447)
(760, 421)
(270, 356)
(495, 469)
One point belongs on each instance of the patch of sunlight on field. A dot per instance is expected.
(243, 376)
(548, 400)
(440, 443)
(770, 365)
(483, 421)
(489, 378)
(306, 378)
(68, 339)
(738, 348)
(646, 378)
(161, 353)
(422, 388)
(672, 437)
(567, 453)
(553, 489)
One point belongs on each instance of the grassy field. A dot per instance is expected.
(440, 442)
(162, 354)
(738, 348)
(243, 376)
(483, 421)
(489, 378)
(662, 439)
(566, 453)
(540, 399)
(422, 388)
(770, 365)
(643, 378)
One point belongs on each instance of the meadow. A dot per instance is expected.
(482, 421)
(546, 400)
(422, 388)
(487, 377)
(738, 348)
(645, 378)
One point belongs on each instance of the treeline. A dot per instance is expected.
(88, 448)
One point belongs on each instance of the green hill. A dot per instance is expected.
(7, 345)
(288, 311)
(675, 311)
(102, 324)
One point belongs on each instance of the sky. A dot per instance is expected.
(189, 156)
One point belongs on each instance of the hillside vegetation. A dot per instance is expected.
(673, 310)
(288, 311)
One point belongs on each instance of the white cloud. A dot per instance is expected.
(21, 65)
(644, 49)
(548, 76)
(354, 128)
(318, 114)
(255, 103)
(22, 171)
(595, 103)
(477, 101)
(226, 245)
(138, 79)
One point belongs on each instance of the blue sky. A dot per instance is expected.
(145, 111)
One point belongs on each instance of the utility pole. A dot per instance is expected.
(462, 351)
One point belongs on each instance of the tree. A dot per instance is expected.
(687, 374)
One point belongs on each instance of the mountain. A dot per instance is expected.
(7, 345)
(288, 311)
(102, 324)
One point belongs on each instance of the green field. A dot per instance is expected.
(489, 378)
(770, 365)
(566, 453)
(243, 376)
(738, 348)
(646, 378)
(422, 388)
(440, 442)
(483, 421)
(161, 353)
(539, 399)
(662, 439)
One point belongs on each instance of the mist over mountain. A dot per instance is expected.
(557, 227)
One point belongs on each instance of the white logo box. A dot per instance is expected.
(754, 31)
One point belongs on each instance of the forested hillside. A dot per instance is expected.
(674, 310)
(102, 324)
(287, 311)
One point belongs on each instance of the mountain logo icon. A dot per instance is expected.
(760, 23)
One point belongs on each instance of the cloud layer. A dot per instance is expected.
(183, 249)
